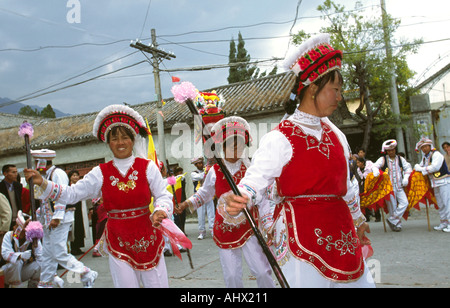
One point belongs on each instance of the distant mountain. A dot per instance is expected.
(14, 108)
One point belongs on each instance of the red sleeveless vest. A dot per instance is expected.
(129, 233)
(318, 221)
(229, 236)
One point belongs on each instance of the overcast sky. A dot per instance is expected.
(40, 48)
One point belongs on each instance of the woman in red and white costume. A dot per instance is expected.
(127, 184)
(234, 238)
(306, 155)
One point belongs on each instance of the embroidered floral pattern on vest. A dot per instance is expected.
(139, 246)
(131, 184)
(322, 145)
(347, 243)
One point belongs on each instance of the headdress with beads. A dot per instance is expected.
(230, 127)
(120, 115)
(313, 59)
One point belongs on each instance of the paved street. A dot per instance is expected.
(412, 258)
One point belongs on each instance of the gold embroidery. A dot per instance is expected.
(131, 184)
(347, 243)
(126, 187)
(139, 246)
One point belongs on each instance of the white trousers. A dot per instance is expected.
(54, 252)
(16, 274)
(231, 261)
(300, 274)
(442, 194)
(206, 210)
(124, 276)
(397, 206)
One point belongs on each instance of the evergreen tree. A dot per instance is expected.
(233, 75)
(48, 112)
(28, 111)
(244, 71)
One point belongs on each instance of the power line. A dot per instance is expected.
(70, 86)
(76, 76)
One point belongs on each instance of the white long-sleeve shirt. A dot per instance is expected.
(275, 151)
(90, 186)
(435, 166)
(44, 213)
(12, 250)
(398, 179)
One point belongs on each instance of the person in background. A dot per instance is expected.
(77, 233)
(434, 166)
(99, 219)
(23, 261)
(12, 191)
(57, 218)
(198, 177)
(446, 148)
(399, 170)
(180, 219)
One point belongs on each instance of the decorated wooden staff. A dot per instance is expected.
(171, 180)
(185, 93)
(34, 228)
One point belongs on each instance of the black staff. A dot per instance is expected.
(273, 263)
(26, 131)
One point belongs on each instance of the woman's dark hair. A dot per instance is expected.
(361, 159)
(72, 172)
(115, 131)
(291, 105)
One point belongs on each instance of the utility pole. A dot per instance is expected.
(394, 95)
(157, 56)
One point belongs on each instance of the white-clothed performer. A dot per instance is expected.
(23, 262)
(57, 220)
(207, 210)
(434, 166)
(399, 170)
(127, 184)
(307, 156)
(235, 238)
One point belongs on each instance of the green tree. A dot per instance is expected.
(28, 111)
(364, 66)
(244, 71)
(48, 112)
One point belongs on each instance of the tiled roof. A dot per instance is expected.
(246, 99)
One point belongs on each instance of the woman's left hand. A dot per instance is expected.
(361, 230)
(157, 217)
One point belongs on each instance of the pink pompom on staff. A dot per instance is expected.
(184, 91)
(26, 129)
(34, 231)
(171, 180)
